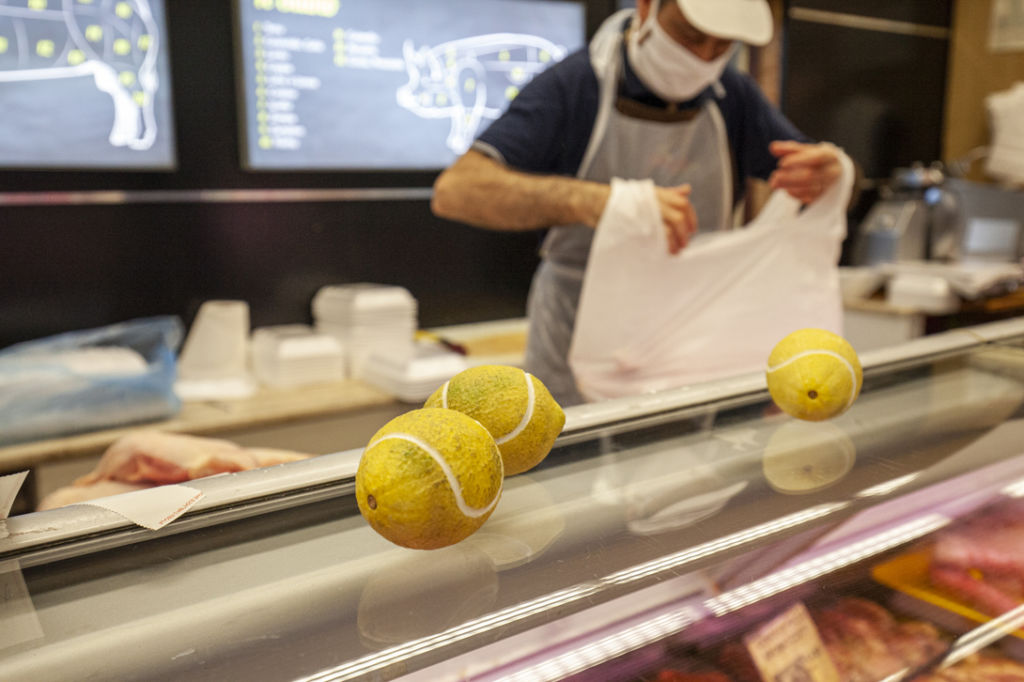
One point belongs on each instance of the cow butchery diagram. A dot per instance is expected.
(113, 46)
(407, 89)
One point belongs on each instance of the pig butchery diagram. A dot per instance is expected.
(456, 80)
(350, 84)
(102, 59)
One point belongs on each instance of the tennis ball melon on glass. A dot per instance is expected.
(429, 478)
(814, 374)
(514, 406)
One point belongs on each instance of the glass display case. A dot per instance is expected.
(697, 534)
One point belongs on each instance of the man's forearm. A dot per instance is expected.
(480, 191)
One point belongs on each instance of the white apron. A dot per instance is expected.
(694, 151)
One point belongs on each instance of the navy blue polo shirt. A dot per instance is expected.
(548, 125)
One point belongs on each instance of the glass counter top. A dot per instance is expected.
(704, 499)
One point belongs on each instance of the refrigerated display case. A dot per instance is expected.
(667, 534)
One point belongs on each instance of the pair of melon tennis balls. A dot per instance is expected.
(431, 477)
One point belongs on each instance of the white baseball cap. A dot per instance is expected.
(747, 20)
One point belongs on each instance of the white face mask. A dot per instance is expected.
(670, 70)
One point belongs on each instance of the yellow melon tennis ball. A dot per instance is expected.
(814, 374)
(429, 478)
(513, 405)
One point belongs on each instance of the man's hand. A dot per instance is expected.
(677, 215)
(805, 171)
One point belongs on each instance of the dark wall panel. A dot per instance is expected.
(75, 267)
(869, 75)
(879, 95)
(71, 267)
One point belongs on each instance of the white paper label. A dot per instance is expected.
(1006, 27)
(151, 508)
(789, 648)
(9, 487)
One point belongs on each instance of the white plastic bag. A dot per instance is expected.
(649, 321)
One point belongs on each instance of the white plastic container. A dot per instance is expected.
(294, 355)
(368, 318)
(216, 345)
(922, 293)
(213, 364)
(339, 303)
(412, 380)
(858, 283)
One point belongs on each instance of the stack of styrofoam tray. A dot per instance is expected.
(367, 318)
(415, 379)
(296, 355)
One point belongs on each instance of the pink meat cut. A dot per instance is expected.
(157, 457)
(145, 459)
(981, 562)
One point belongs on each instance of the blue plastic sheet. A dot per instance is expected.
(90, 379)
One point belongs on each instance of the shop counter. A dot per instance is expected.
(669, 534)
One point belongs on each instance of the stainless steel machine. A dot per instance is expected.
(923, 214)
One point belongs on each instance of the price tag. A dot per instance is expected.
(151, 508)
(789, 649)
(9, 487)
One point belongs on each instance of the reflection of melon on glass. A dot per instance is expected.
(805, 457)
(525, 524)
(693, 504)
(411, 596)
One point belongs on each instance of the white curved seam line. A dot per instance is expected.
(531, 399)
(837, 356)
(444, 395)
(453, 482)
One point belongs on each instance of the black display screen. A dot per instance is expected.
(85, 84)
(403, 84)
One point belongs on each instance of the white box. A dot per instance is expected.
(926, 293)
(295, 355)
